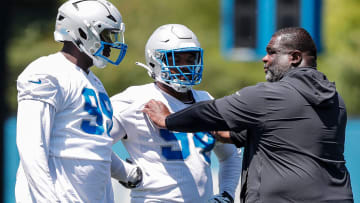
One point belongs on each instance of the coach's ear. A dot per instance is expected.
(295, 58)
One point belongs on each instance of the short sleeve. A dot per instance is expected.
(119, 106)
(40, 87)
(245, 108)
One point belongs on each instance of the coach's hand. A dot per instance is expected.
(157, 112)
(221, 198)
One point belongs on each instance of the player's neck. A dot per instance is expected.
(185, 97)
(75, 56)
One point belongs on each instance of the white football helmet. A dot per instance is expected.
(92, 25)
(163, 45)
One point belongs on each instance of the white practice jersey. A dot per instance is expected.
(176, 165)
(69, 144)
(83, 117)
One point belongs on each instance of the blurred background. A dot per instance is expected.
(233, 34)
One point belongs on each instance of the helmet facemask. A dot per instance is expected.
(181, 68)
(112, 47)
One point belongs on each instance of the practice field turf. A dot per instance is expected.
(11, 158)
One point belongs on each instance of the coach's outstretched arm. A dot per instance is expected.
(202, 116)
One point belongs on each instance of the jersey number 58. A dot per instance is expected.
(203, 140)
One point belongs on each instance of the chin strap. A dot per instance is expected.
(149, 70)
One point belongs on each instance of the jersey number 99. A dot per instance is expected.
(93, 108)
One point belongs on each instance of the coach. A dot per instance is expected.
(295, 127)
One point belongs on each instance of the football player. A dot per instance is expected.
(64, 113)
(175, 165)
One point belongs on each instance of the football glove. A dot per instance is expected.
(221, 198)
(134, 177)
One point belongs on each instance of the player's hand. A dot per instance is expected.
(157, 112)
(221, 198)
(134, 178)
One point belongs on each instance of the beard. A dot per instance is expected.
(269, 76)
(275, 74)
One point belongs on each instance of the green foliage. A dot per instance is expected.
(340, 60)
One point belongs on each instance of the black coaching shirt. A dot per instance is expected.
(293, 133)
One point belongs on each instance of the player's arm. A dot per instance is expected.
(126, 172)
(120, 105)
(230, 161)
(117, 132)
(34, 125)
